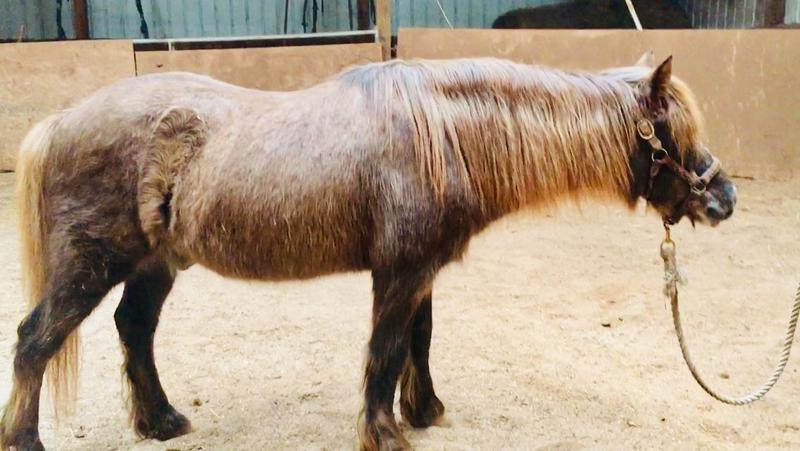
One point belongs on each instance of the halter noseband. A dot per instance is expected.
(660, 157)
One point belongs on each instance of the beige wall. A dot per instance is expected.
(276, 68)
(746, 81)
(41, 78)
(37, 79)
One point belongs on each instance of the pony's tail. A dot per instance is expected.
(32, 207)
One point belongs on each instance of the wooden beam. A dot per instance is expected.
(362, 13)
(236, 42)
(80, 19)
(774, 12)
(383, 20)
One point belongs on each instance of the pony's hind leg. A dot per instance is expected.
(398, 292)
(418, 402)
(137, 319)
(75, 287)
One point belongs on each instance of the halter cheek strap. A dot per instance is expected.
(660, 158)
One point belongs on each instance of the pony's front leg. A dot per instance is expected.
(398, 292)
(418, 402)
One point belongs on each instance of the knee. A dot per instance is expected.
(31, 346)
(30, 342)
(389, 341)
(27, 328)
(127, 321)
(122, 319)
(135, 329)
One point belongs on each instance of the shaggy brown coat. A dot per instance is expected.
(390, 167)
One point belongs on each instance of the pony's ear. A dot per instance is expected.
(660, 78)
(648, 59)
(659, 83)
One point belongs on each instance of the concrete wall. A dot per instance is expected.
(745, 80)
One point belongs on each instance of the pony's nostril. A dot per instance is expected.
(728, 213)
(730, 192)
(718, 212)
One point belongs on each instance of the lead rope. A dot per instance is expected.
(672, 277)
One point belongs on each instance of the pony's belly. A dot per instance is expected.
(270, 224)
(275, 265)
(275, 253)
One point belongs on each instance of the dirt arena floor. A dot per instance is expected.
(551, 334)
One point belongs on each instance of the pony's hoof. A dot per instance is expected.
(432, 413)
(387, 443)
(383, 435)
(25, 441)
(35, 446)
(32, 445)
(169, 424)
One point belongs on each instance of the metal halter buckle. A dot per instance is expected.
(645, 129)
(659, 156)
(698, 188)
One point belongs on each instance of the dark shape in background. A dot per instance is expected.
(595, 14)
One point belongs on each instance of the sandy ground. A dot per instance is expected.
(521, 356)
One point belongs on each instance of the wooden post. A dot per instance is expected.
(80, 19)
(362, 13)
(774, 12)
(383, 21)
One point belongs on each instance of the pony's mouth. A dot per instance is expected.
(711, 212)
(697, 214)
(703, 218)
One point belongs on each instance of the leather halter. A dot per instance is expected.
(660, 158)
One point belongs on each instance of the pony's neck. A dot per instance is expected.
(525, 136)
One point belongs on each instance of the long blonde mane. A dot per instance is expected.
(518, 134)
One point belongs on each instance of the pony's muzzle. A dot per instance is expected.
(717, 212)
(721, 203)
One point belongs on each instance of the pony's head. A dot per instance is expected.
(672, 168)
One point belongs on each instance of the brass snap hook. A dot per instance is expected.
(667, 245)
(667, 249)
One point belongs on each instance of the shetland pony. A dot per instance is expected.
(389, 167)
